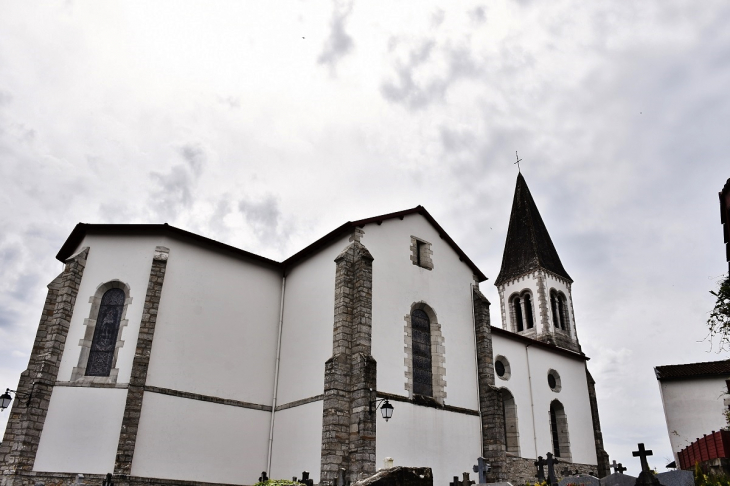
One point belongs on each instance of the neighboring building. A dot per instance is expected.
(695, 399)
(725, 219)
(164, 354)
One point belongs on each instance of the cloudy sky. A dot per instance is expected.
(267, 124)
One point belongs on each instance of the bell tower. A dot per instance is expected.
(534, 288)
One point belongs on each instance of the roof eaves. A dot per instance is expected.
(82, 229)
(539, 344)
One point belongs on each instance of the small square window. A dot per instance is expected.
(421, 254)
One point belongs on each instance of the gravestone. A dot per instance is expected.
(676, 478)
(646, 476)
(341, 477)
(580, 480)
(263, 477)
(482, 467)
(108, 480)
(305, 479)
(466, 481)
(80, 479)
(455, 482)
(618, 468)
(618, 479)
(540, 463)
(551, 461)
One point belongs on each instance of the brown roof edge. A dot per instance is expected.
(692, 370)
(539, 344)
(82, 229)
(351, 225)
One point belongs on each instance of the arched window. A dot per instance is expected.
(422, 365)
(559, 430)
(518, 314)
(511, 431)
(554, 308)
(528, 311)
(101, 354)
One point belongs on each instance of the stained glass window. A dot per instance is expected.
(422, 375)
(104, 342)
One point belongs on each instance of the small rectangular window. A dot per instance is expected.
(421, 254)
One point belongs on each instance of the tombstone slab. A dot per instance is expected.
(496, 484)
(580, 480)
(618, 479)
(676, 478)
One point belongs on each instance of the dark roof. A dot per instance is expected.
(692, 370)
(538, 344)
(528, 244)
(81, 229)
(724, 217)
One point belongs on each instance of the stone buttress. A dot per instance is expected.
(28, 415)
(348, 427)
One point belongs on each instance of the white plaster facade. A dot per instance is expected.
(693, 407)
(236, 369)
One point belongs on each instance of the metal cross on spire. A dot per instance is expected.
(518, 161)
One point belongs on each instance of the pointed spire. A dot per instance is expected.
(528, 244)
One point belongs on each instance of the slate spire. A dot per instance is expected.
(528, 244)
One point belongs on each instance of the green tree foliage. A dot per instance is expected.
(277, 482)
(719, 321)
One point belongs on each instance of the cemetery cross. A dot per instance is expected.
(643, 453)
(466, 481)
(482, 468)
(540, 463)
(551, 461)
(456, 482)
(263, 477)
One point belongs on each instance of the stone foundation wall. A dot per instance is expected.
(32, 478)
(521, 470)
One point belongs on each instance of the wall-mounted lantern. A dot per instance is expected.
(6, 399)
(385, 407)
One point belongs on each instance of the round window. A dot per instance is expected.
(499, 367)
(553, 379)
(502, 368)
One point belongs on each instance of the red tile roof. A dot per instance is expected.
(692, 370)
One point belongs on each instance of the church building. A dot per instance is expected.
(163, 356)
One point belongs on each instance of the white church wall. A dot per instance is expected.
(573, 395)
(518, 384)
(447, 442)
(217, 326)
(81, 431)
(692, 408)
(397, 284)
(306, 343)
(127, 259)
(297, 441)
(200, 441)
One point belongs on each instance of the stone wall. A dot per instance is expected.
(604, 469)
(28, 415)
(348, 427)
(138, 379)
(490, 398)
(32, 478)
(521, 470)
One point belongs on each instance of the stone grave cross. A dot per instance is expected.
(618, 468)
(305, 479)
(540, 463)
(482, 468)
(456, 482)
(108, 480)
(263, 477)
(551, 461)
(466, 481)
(643, 453)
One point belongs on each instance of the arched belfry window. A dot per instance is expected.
(101, 354)
(559, 307)
(528, 311)
(422, 365)
(519, 324)
(522, 311)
